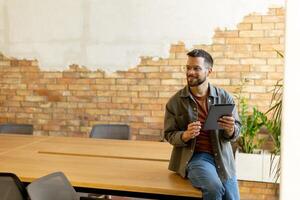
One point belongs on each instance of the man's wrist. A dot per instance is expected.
(184, 137)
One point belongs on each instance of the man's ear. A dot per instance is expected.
(209, 71)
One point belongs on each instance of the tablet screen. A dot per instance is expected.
(215, 112)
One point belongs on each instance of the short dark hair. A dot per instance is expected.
(203, 54)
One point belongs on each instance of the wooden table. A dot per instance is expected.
(133, 168)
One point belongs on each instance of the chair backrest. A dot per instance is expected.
(11, 188)
(54, 186)
(17, 128)
(111, 131)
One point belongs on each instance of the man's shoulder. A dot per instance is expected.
(180, 93)
(221, 92)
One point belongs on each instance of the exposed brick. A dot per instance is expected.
(120, 112)
(57, 87)
(121, 100)
(228, 75)
(180, 55)
(263, 68)
(148, 94)
(220, 82)
(157, 113)
(274, 33)
(125, 94)
(217, 41)
(171, 69)
(119, 87)
(177, 48)
(151, 107)
(133, 74)
(263, 26)
(97, 112)
(77, 87)
(4, 63)
(271, 40)
(275, 75)
(240, 68)
(52, 75)
(279, 25)
(35, 98)
(149, 131)
(160, 62)
(106, 81)
(272, 19)
(226, 33)
(234, 41)
(149, 81)
(166, 94)
(238, 54)
(226, 61)
(139, 88)
(252, 19)
(255, 89)
(153, 119)
(171, 82)
(253, 61)
(148, 69)
(275, 61)
(251, 33)
(158, 75)
(127, 81)
(244, 26)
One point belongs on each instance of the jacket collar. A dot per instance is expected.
(185, 92)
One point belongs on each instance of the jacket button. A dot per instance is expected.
(194, 108)
(218, 166)
(216, 154)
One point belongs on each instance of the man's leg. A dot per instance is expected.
(202, 174)
(231, 189)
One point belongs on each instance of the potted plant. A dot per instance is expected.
(274, 129)
(249, 157)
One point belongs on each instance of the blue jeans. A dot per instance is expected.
(202, 173)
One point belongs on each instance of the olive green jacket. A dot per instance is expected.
(181, 110)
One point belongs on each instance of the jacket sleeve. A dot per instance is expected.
(171, 131)
(237, 123)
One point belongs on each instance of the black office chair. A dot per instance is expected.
(26, 129)
(54, 186)
(111, 131)
(11, 188)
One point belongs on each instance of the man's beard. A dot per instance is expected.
(195, 81)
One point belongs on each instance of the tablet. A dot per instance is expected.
(215, 112)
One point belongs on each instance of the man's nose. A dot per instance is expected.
(190, 72)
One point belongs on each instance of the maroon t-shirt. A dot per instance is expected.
(203, 142)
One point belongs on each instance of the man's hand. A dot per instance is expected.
(227, 122)
(192, 131)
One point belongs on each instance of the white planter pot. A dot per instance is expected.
(249, 166)
(256, 167)
(269, 173)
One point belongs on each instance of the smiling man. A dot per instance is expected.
(204, 157)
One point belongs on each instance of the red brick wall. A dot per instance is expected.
(258, 191)
(70, 102)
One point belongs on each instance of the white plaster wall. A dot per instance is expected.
(113, 34)
(2, 24)
(290, 142)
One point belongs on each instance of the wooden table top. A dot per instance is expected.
(128, 149)
(10, 141)
(135, 166)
